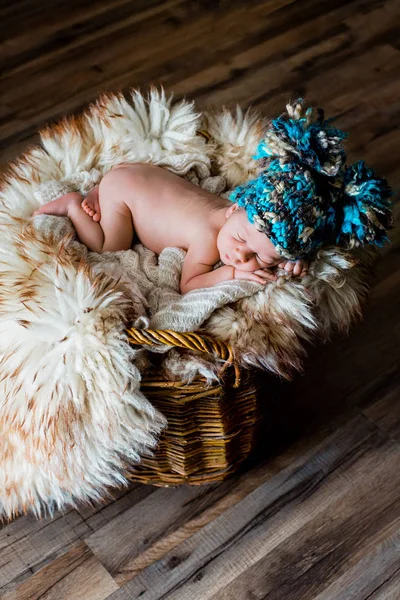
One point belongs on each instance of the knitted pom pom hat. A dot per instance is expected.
(304, 197)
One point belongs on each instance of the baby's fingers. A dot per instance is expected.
(257, 279)
(304, 268)
(304, 272)
(265, 274)
(287, 265)
(298, 267)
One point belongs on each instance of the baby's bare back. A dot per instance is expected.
(167, 210)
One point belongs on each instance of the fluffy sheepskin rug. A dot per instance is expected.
(72, 415)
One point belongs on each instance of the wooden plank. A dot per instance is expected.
(144, 548)
(76, 574)
(371, 572)
(100, 514)
(299, 571)
(385, 412)
(389, 589)
(333, 484)
(26, 545)
(194, 27)
(102, 59)
(153, 526)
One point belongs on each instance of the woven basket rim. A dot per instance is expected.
(189, 340)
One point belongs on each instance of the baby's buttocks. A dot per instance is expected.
(166, 209)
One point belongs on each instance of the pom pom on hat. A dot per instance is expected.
(304, 136)
(303, 198)
(366, 209)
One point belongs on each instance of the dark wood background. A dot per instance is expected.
(315, 513)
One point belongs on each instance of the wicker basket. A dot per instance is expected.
(211, 428)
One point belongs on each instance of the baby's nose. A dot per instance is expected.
(242, 255)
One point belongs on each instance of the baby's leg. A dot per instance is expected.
(114, 231)
(59, 206)
(69, 205)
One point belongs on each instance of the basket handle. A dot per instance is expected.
(189, 340)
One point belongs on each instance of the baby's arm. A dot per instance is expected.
(197, 272)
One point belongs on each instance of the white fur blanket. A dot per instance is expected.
(72, 414)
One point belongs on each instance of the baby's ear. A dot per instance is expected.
(231, 210)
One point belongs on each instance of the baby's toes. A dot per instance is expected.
(88, 209)
(96, 217)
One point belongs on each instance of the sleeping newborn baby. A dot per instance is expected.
(142, 203)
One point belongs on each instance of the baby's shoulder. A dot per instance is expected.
(203, 246)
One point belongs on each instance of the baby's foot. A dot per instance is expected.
(91, 204)
(297, 268)
(60, 206)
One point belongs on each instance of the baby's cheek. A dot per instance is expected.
(255, 265)
(247, 266)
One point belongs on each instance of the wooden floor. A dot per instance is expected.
(316, 513)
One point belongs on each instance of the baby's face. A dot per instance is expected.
(242, 246)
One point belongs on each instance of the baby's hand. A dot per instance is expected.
(297, 268)
(259, 276)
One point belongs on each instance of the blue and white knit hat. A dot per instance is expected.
(304, 196)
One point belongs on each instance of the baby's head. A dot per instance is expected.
(242, 246)
(304, 197)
